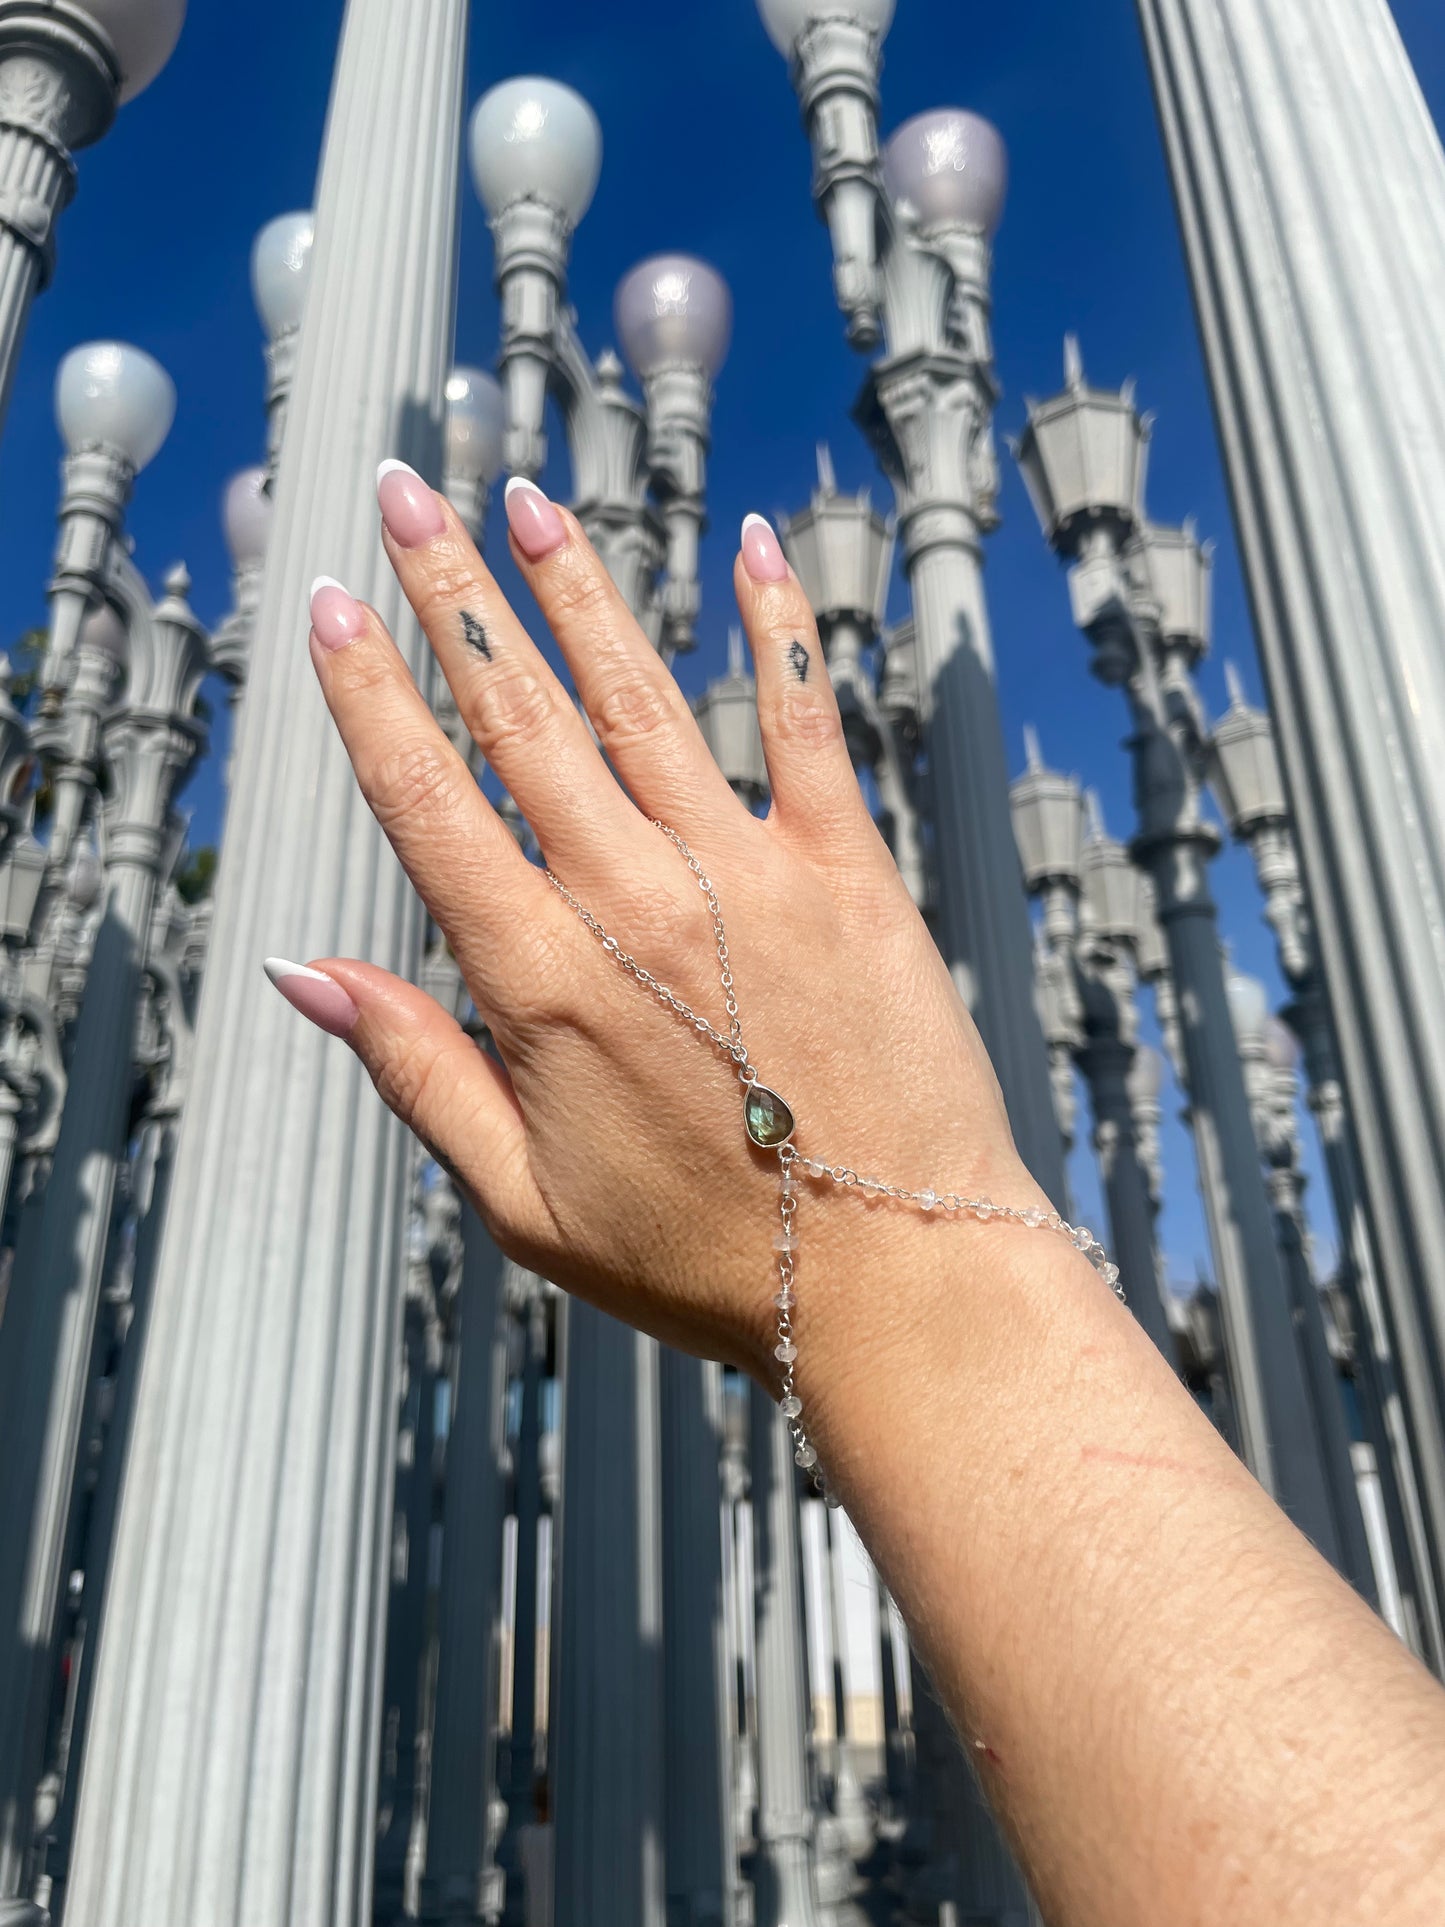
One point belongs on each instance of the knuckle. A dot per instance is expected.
(514, 707)
(655, 921)
(413, 778)
(449, 585)
(579, 594)
(540, 992)
(810, 720)
(405, 1082)
(632, 705)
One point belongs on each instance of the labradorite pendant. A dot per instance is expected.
(769, 1121)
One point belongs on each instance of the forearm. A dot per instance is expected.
(1179, 1711)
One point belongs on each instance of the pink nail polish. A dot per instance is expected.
(336, 617)
(763, 556)
(534, 521)
(410, 510)
(315, 995)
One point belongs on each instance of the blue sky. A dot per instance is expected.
(702, 151)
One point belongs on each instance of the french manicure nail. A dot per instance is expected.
(314, 994)
(410, 510)
(336, 616)
(534, 520)
(763, 556)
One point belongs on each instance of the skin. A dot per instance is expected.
(1178, 1710)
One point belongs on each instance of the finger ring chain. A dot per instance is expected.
(769, 1122)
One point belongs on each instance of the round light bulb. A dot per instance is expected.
(1248, 1007)
(104, 630)
(246, 511)
(534, 139)
(476, 425)
(673, 308)
(143, 33)
(951, 167)
(110, 394)
(786, 19)
(281, 270)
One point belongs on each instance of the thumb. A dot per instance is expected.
(442, 1085)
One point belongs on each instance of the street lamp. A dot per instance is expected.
(1141, 597)
(536, 153)
(114, 405)
(674, 319)
(280, 275)
(65, 65)
(727, 715)
(247, 511)
(473, 444)
(834, 51)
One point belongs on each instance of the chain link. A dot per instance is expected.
(791, 1160)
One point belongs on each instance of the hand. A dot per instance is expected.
(606, 1149)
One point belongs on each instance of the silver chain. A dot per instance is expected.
(791, 1160)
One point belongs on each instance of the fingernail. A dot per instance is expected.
(410, 510)
(763, 556)
(534, 520)
(336, 616)
(315, 995)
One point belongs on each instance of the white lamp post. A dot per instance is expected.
(911, 231)
(114, 405)
(473, 444)
(674, 317)
(1140, 596)
(64, 67)
(536, 152)
(280, 275)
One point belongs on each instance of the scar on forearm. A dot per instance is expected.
(800, 660)
(475, 636)
(983, 1747)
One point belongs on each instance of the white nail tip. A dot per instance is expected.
(756, 522)
(326, 582)
(522, 481)
(278, 967)
(390, 466)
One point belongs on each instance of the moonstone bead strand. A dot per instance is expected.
(792, 1162)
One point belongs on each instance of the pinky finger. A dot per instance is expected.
(458, 1101)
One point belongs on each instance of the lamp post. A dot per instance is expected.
(1245, 774)
(638, 1826)
(472, 445)
(65, 66)
(149, 740)
(115, 406)
(841, 550)
(1325, 366)
(280, 275)
(272, 1481)
(1089, 902)
(674, 318)
(1140, 596)
(912, 231)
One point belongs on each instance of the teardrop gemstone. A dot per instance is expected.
(769, 1121)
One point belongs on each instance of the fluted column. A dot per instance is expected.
(462, 1880)
(1301, 149)
(45, 1357)
(785, 1875)
(251, 1541)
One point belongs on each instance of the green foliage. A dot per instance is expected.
(197, 875)
(27, 656)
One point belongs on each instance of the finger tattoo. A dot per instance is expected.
(475, 636)
(800, 660)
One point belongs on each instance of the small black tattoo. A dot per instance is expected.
(476, 636)
(800, 659)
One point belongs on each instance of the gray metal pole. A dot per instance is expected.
(1300, 146)
(251, 1541)
(47, 1350)
(785, 1873)
(462, 1881)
